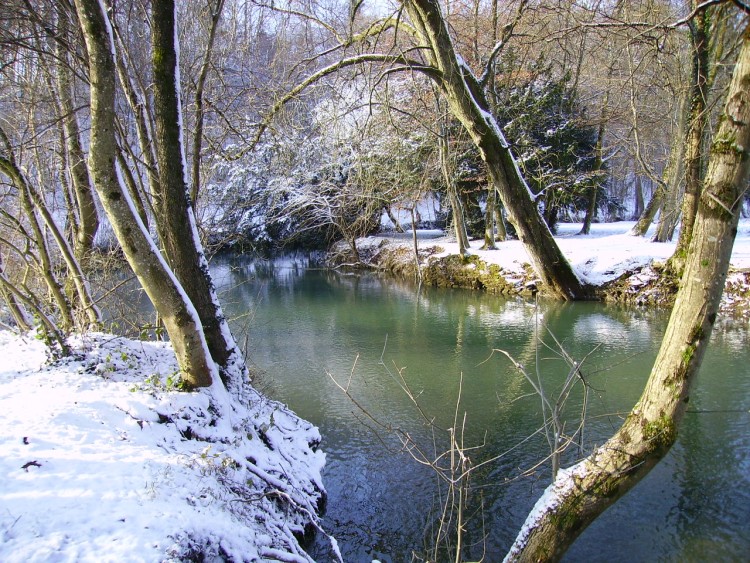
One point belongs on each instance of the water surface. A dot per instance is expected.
(304, 327)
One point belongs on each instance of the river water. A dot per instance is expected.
(405, 357)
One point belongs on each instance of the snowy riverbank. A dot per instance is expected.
(102, 460)
(608, 254)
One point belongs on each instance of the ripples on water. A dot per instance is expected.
(302, 324)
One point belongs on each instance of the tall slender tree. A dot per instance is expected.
(175, 216)
(169, 298)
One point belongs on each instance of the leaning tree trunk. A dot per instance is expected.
(176, 219)
(638, 204)
(468, 104)
(23, 320)
(33, 203)
(673, 187)
(166, 293)
(584, 491)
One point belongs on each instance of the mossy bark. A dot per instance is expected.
(651, 427)
(167, 295)
(176, 220)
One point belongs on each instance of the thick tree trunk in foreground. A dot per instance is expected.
(584, 491)
(467, 103)
(169, 299)
(175, 217)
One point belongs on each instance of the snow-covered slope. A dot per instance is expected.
(102, 460)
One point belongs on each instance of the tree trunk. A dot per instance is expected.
(467, 103)
(593, 190)
(33, 203)
(697, 123)
(489, 219)
(176, 219)
(643, 224)
(457, 211)
(139, 105)
(396, 225)
(673, 179)
(22, 319)
(199, 109)
(166, 293)
(88, 217)
(8, 167)
(584, 491)
(638, 203)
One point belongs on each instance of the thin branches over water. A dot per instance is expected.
(450, 456)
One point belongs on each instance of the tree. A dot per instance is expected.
(700, 31)
(175, 217)
(584, 491)
(557, 151)
(88, 217)
(465, 97)
(169, 298)
(464, 94)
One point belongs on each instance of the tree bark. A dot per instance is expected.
(33, 203)
(467, 103)
(22, 319)
(638, 206)
(9, 168)
(674, 174)
(88, 216)
(457, 211)
(698, 121)
(593, 190)
(176, 220)
(489, 219)
(199, 109)
(584, 491)
(166, 293)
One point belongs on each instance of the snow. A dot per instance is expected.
(565, 481)
(605, 254)
(104, 460)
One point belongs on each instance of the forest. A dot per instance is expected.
(141, 138)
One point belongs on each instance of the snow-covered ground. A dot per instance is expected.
(102, 460)
(605, 254)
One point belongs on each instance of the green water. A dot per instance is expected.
(302, 327)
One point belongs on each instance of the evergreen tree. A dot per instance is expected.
(554, 146)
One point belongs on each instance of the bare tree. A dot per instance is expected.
(169, 298)
(175, 217)
(584, 491)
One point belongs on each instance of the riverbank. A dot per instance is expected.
(624, 268)
(104, 459)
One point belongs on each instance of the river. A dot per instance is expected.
(404, 355)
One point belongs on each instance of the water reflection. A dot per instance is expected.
(300, 324)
